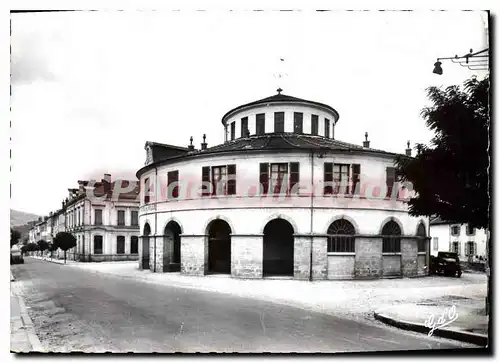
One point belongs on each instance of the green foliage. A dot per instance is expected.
(14, 237)
(52, 247)
(64, 241)
(42, 245)
(451, 175)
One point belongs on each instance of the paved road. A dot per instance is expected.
(78, 310)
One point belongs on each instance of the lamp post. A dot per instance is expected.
(473, 61)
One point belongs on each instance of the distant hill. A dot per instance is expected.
(18, 218)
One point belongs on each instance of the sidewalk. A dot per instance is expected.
(55, 260)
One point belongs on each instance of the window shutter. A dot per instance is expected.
(264, 178)
(459, 248)
(390, 179)
(294, 175)
(205, 178)
(231, 183)
(356, 171)
(328, 178)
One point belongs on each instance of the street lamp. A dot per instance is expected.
(473, 61)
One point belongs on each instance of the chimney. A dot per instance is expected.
(191, 146)
(366, 143)
(408, 150)
(107, 177)
(204, 144)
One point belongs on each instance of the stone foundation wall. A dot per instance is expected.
(341, 267)
(368, 261)
(409, 257)
(194, 255)
(391, 265)
(320, 258)
(301, 257)
(246, 256)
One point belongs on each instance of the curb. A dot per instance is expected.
(12, 277)
(36, 345)
(478, 339)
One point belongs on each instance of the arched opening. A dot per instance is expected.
(391, 237)
(219, 247)
(421, 240)
(340, 236)
(172, 247)
(278, 248)
(145, 246)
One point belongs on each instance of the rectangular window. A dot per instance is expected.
(298, 122)
(260, 124)
(173, 184)
(121, 218)
(205, 178)
(134, 244)
(390, 179)
(469, 248)
(134, 218)
(219, 179)
(340, 244)
(328, 178)
(233, 130)
(294, 177)
(264, 178)
(279, 122)
(391, 244)
(455, 247)
(470, 230)
(356, 171)
(455, 230)
(78, 215)
(120, 245)
(244, 127)
(341, 178)
(435, 244)
(231, 182)
(146, 190)
(314, 124)
(98, 245)
(327, 127)
(279, 176)
(98, 217)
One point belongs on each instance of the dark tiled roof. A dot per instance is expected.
(273, 141)
(279, 98)
(437, 220)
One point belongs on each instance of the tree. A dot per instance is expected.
(52, 248)
(42, 245)
(451, 175)
(14, 237)
(64, 241)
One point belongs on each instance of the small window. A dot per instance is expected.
(455, 230)
(279, 122)
(219, 180)
(233, 130)
(341, 178)
(173, 184)
(146, 190)
(435, 244)
(298, 122)
(470, 230)
(120, 245)
(244, 127)
(314, 124)
(98, 245)
(391, 240)
(134, 244)
(134, 218)
(260, 124)
(327, 127)
(455, 247)
(98, 217)
(279, 176)
(121, 218)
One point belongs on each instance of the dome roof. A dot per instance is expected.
(279, 98)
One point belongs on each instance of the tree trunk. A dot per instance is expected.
(65, 256)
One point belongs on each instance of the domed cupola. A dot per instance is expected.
(280, 114)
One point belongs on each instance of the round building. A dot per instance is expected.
(280, 197)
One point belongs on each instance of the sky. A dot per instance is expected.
(90, 88)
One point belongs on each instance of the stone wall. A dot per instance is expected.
(320, 258)
(246, 256)
(341, 267)
(368, 261)
(301, 257)
(194, 254)
(391, 264)
(409, 257)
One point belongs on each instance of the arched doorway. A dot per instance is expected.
(172, 247)
(391, 237)
(219, 247)
(145, 246)
(278, 248)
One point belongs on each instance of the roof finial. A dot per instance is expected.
(408, 144)
(366, 136)
(191, 140)
(204, 137)
(279, 90)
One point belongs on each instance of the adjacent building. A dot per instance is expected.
(469, 243)
(280, 197)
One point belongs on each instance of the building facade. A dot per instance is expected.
(280, 197)
(469, 243)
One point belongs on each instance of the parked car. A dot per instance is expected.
(16, 255)
(446, 263)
